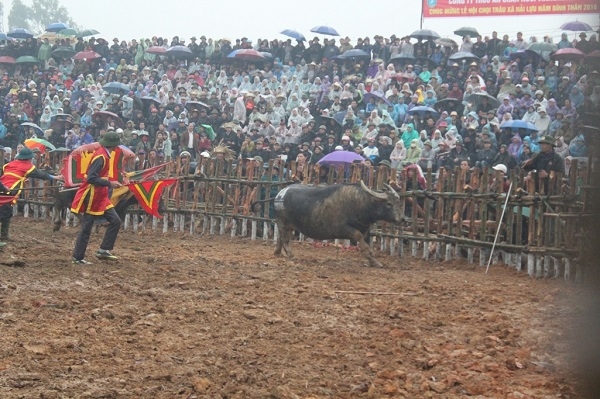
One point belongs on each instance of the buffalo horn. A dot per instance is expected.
(373, 193)
(391, 189)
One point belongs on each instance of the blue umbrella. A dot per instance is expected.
(525, 54)
(354, 53)
(421, 110)
(267, 55)
(4, 37)
(336, 158)
(233, 53)
(325, 30)
(56, 26)
(20, 33)
(576, 26)
(33, 125)
(518, 124)
(116, 88)
(293, 34)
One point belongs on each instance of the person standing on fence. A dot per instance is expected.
(545, 162)
(93, 200)
(13, 178)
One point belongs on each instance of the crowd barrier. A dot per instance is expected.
(452, 214)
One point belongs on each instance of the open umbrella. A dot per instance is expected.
(328, 119)
(191, 105)
(27, 59)
(368, 96)
(4, 37)
(421, 110)
(518, 124)
(325, 30)
(88, 55)
(463, 55)
(5, 59)
(336, 158)
(576, 26)
(33, 125)
(569, 54)
(40, 144)
(403, 58)
(442, 105)
(156, 50)
(466, 31)
(424, 34)
(477, 97)
(354, 54)
(525, 54)
(539, 47)
(61, 122)
(180, 52)
(249, 55)
(20, 33)
(593, 56)
(64, 52)
(87, 32)
(148, 101)
(267, 55)
(446, 42)
(56, 27)
(116, 88)
(67, 32)
(107, 117)
(293, 34)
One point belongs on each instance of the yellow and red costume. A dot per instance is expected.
(91, 198)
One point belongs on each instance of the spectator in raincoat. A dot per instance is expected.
(413, 153)
(409, 135)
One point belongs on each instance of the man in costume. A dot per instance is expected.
(93, 201)
(11, 183)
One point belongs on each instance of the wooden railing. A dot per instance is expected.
(453, 214)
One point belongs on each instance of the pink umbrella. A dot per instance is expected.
(571, 54)
(86, 55)
(249, 55)
(156, 50)
(7, 60)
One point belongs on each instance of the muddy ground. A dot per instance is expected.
(215, 317)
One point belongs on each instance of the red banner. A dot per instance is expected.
(491, 8)
(148, 193)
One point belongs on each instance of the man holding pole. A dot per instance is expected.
(11, 184)
(93, 200)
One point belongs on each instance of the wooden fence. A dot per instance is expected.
(453, 214)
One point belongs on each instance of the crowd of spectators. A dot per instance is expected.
(305, 100)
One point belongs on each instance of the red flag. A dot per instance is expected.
(148, 193)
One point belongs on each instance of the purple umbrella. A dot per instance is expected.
(576, 26)
(367, 97)
(338, 158)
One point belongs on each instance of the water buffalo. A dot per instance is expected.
(337, 211)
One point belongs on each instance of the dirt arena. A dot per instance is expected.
(214, 317)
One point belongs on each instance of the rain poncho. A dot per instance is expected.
(514, 148)
(409, 135)
(413, 153)
(577, 147)
(398, 155)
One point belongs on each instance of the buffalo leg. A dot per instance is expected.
(285, 235)
(365, 248)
